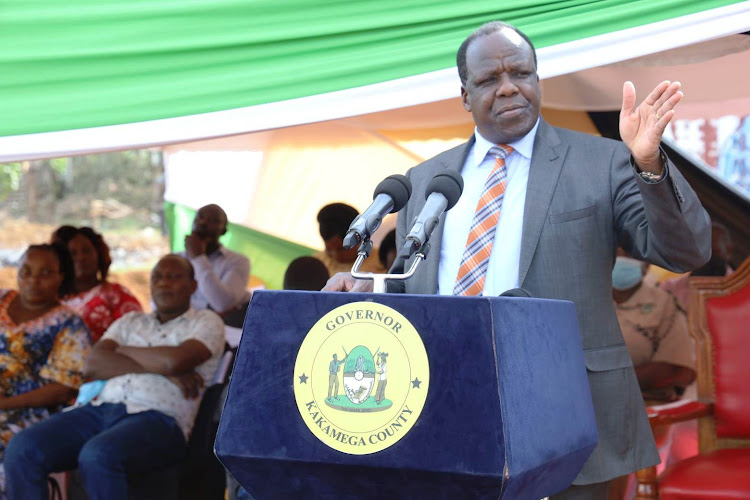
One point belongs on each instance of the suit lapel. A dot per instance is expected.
(544, 171)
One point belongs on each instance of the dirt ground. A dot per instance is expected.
(133, 253)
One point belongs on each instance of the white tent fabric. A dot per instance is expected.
(276, 181)
(555, 61)
(711, 71)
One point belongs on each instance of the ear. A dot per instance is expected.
(465, 99)
(193, 287)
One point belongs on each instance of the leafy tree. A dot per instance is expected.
(10, 178)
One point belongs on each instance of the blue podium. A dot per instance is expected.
(505, 404)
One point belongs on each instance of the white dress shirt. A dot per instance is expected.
(149, 391)
(502, 273)
(222, 280)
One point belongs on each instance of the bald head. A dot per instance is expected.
(510, 31)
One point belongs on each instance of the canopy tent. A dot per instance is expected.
(294, 171)
(95, 76)
(303, 92)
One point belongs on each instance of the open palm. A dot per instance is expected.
(642, 127)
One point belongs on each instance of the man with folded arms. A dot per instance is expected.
(154, 367)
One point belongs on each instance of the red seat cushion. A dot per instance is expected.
(719, 475)
(728, 318)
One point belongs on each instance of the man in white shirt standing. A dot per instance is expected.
(155, 366)
(222, 274)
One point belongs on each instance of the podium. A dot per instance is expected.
(500, 409)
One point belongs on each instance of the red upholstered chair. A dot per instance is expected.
(720, 325)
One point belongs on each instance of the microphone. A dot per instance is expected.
(442, 194)
(390, 195)
(516, 292)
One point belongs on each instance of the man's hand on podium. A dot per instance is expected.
(344, 282)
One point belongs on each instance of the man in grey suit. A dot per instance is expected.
(570, 200)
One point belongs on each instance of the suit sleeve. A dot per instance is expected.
(663, 223)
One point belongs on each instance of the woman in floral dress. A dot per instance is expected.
(98, 301)
(43, 344)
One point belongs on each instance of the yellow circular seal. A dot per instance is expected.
(361, 378)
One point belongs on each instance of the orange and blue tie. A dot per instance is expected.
(476, 258)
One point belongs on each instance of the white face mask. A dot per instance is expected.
(627, 273)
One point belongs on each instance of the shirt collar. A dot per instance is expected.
(524, 146)
(186, 316)
(218, 251)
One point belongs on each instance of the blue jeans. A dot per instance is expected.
(104, 442)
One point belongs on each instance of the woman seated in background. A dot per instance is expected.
(95, 299)
(43, 344)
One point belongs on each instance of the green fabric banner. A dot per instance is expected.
(87, 63)
(269, 256)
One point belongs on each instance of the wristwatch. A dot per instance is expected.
(651, 177)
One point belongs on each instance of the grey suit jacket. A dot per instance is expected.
(583, 200)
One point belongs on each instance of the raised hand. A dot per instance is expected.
(642, 126)
(194, 245)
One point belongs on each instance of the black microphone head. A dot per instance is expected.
(448, 183)
(516, 292)
(398, 187)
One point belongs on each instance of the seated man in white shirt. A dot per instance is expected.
(155, 366)
(222, 274)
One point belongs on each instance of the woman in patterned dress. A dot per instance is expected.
(43, 344)
(98, 301)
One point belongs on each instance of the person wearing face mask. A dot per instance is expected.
(543, 209)
(655, 332)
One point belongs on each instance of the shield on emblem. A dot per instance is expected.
(359, 374)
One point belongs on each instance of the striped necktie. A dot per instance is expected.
(476, 259)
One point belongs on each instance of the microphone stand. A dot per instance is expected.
(379, 280)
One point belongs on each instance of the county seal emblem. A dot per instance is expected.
(361, 378)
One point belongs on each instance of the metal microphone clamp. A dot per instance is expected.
(379, 280)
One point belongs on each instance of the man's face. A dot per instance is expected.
(210, 222)
(335, 250)
(502, 89)
(171, 285)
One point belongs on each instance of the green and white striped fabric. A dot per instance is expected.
(92, 75)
